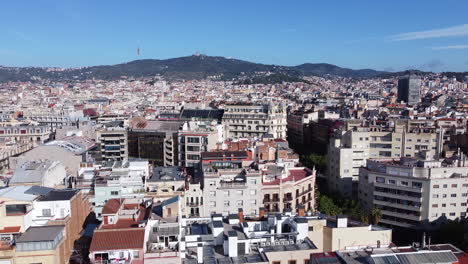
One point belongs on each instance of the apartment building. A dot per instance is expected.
(412, 192)
(196, 137)
(352, 146)
(248, 120)
(227, 188)
(114, 180)
(23, 133)
(40, 225)
(296, 121)
(154, 140)
(288, 189)
(113, 143)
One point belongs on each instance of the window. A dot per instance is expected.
(464, 194)
(444, 195)
(239, 203)
(212, 193)
(46, 212)
(212, 203)
(435, 186)
(276, 262)
(463, 214)
(292, 262)
(212, 183)
(193, 157)
(453, 204)
(136, 254)
(253, 181)
(453, 195)
(226, 203)
(311, 228)
(463, 204)
(253, 201)
(392, 182)
(444, 205)
(445, 185)
(226, 193)
(452, 214)
(239, 192)
(443, 214)
(435, 206)
(193, 140)
(465, 185)
(193, 148)
(114, 193)
(380, 179)
(435, 196)
(404, 183)
(434, 215)
(417, 184)
(454, 186)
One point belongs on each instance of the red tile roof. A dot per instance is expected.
(10, 230)
(112, 206)
(294, 176)
(104, 240)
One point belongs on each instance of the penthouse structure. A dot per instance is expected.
(412, 192)
(351, 147)
(246, 120)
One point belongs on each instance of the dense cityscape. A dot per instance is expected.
(233, 132)
(145, 170)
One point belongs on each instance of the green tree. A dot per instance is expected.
(376, 215)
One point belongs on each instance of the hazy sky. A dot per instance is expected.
(384, 35)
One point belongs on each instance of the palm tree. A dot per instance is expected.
(376, 214)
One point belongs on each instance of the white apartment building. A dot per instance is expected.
(350, 148)
(196, 137)
(248, 121)
(412, 192)
(227, 190)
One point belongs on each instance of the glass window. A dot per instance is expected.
(46, 212)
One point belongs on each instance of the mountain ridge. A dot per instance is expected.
(187, 68)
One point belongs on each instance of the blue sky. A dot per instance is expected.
(384, 35)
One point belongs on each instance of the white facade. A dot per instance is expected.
(410, 194)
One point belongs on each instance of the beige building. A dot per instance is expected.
(412, 192)
(350, 148)
(248, 121)
(288, 189)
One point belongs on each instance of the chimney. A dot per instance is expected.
(301, 210)
(199, 251)
(241, 215)
(261, 212)
(341, 221)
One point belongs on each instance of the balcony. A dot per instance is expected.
(272, 200)
(232, 185)
(194, 204)
(287, 199)
(397, 205)
(398, 196)
(413, 217)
